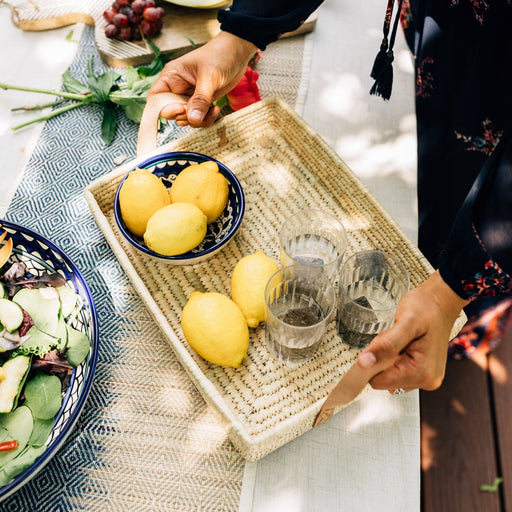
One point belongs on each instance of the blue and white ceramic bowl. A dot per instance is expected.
(167, 166)
(40, 255)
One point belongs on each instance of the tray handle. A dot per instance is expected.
(148, 129)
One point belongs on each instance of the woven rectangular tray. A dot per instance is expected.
(283, 166)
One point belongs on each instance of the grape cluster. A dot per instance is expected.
(130, 19)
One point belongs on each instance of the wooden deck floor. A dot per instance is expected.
(466, 435)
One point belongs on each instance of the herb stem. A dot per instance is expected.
(50, 115)
(62, 94)
(37, 107)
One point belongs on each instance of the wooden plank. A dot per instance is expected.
(181, 26)
(458, 450)
(500, 368)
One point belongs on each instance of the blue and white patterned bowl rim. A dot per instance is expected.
(40, 255)
(167, 166)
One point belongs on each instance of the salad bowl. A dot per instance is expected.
(40, 256)
(167, 166)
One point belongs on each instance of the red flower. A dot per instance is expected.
(246, 92)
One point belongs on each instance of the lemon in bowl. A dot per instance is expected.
(141, 195)
(167, 167)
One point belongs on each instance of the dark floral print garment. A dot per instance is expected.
(462, 53)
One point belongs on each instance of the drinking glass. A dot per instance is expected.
(298, 309)
(315, 239)
(370, 287)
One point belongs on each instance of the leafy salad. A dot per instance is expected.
(39, 348)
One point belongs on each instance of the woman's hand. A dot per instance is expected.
(204, 74)
(417, 343)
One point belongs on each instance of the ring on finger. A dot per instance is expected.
(399, 391)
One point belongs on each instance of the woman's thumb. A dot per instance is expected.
(200, 102)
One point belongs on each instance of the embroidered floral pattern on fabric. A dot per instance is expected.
(491, 281)
(483, 332)
(484, 143)
(406, 15)
(480, 7)
(424, 79)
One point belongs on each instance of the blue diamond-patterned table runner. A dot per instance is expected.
(69, 155)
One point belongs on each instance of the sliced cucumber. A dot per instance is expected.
(3, 291)
(11, 315)
(15, 371)
(68, 299)
(43, 309)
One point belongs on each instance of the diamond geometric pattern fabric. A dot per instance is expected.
(145, 440)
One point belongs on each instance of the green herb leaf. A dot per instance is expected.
(131, 76)
(133, 99)
(108, 125)
(194, 45)
(73, 85)
(493, 487)
(44, 394)
(23, 461)
(222, 102)
(78, 346)
(69, 37)
(100, 86)
(156, 65)
(41, 430)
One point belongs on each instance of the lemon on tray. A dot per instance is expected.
(175, 229)
(248, 282)
(215, 328)
(141, 195)
(203, 185)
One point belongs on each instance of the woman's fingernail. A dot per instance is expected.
(196, 116)
(367, 360)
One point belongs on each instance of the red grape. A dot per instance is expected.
(125, 33)
(151, 14)
(131, 20)
(134, 18)
(136, 35)
(121, 20)
(138, 6)
(148, 28)
(109, 14)
(111, 31)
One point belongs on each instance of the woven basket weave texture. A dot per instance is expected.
(283, 167)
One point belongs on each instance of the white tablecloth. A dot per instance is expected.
(367, 457)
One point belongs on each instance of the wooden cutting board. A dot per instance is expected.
(182, 26)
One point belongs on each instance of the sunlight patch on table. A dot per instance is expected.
(343, 97)
(203, 436)
(177, 401)
(369, 158)
(387, 410)
(283, 500)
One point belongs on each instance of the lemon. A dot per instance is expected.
(175, 229)
(141, 195)
(202, 185)
(248, 282)
(215, 328)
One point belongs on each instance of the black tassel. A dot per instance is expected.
(384, 80)
(382, 70)
(380, 59)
